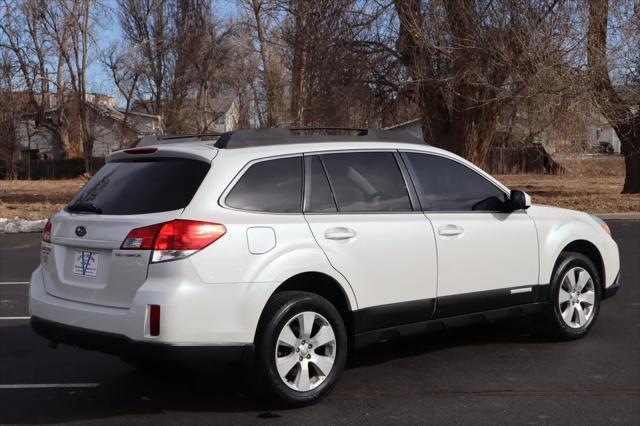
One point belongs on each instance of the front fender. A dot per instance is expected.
(557, 228)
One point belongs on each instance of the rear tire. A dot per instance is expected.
(574, 297)
(301, 348)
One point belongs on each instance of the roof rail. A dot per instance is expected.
(280, 136)
(160, 139)
(361, 131)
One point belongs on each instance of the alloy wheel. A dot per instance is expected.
(576, 297)
(305, 351)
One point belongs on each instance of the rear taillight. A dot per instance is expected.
(141, 238)
(46, 232)
(175, 239)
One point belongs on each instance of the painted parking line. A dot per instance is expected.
(49, 385)
(15, 318)
(13, 282)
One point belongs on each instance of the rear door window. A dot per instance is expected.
(367, 182)
(273, 186)
(139, 187)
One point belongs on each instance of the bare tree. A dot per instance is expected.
(75, 53)
(202, 54)
(624, 120)
(27, 38)
(9, 108)
(147, 27)
(180, 54)
(470, 60)
(50, 42)
(340, 62)
(261, 13)
(125, 73)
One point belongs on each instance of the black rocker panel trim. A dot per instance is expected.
(383, 316)
(437, 325)
(460, 304)
(396, 314)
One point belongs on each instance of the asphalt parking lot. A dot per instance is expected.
(491, 374)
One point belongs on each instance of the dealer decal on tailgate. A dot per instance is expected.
(86, 263)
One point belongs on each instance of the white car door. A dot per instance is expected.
(362, 218)
(487, 258)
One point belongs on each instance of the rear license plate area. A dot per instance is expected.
(86, 263)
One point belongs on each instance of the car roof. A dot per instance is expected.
(281, 136)
(263, 137)
(250, 144)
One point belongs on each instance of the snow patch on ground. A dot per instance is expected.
(15, 225)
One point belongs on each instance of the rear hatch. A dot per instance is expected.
(84, 261)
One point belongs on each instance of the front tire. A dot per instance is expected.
(301, 348)
(574, 297)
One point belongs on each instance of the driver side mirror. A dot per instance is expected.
(519, 200)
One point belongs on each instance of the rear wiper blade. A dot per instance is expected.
(84, 207)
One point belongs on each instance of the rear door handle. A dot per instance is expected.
(339, 233)
(450, 230)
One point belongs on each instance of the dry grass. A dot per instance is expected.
(35, 199)
(590, 183)
(591, 194)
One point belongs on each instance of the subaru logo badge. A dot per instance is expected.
(81, 231)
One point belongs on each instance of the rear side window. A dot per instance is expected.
(273, 186)
(319, 198)
(447, 185)
(367, 182)
(140, 187)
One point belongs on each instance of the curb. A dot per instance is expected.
(619, 216)
(19, 226)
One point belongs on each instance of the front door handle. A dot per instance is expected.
(450, 230)
(339, 233)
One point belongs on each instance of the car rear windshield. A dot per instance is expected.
(138, 187)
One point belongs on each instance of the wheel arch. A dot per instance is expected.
(589, 250)
(323, 285)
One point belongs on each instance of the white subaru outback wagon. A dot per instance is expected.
(286, 251)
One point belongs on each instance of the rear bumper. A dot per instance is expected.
(120, 345)
(192, 313)
(612, 290)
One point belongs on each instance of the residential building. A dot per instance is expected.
(112, 129)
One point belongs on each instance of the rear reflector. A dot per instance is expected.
(175, 239)
(46, 233)
(140, 150)
(154, 320)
